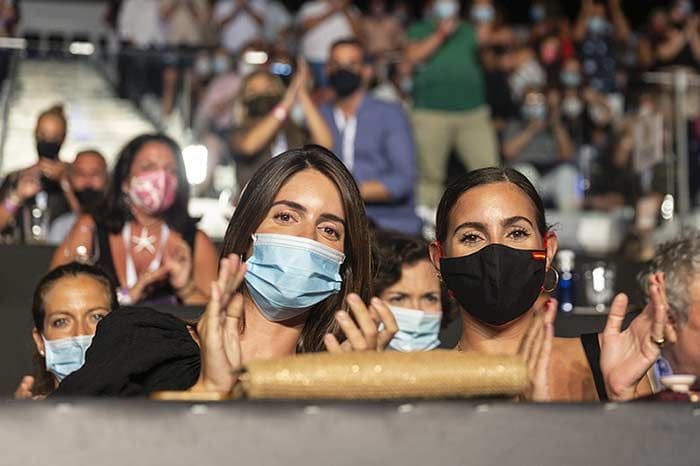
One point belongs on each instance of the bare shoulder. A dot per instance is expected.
(571, 378)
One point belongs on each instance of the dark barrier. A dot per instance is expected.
(114, 433)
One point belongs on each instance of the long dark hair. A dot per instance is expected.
(256, 200)
(117, 212)
(43, 380)
(483, 177)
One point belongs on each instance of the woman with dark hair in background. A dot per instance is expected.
(264, 127)
(405, 279)
(68, 304)
(144, 237)
(296, 271)
(494, 252)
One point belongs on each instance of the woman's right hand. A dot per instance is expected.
(28, 184)
(535, 350)
(24, 390)
(365, 335)
(147, 279)
(218, 329)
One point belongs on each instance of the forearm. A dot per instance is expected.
(513, 146)
(320, 132)
(314, 21)
(580, 28)
(5, 217)
(669, 49)
(419, 51)
(565, 147)
(355, 23)
(255, 15)
(258, 137)
(167, 11)
(619, 20)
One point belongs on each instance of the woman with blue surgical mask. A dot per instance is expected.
(405, 279)
(68, 304)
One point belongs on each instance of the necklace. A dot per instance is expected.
(144, 241)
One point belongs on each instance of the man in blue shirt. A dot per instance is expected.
(374, 139)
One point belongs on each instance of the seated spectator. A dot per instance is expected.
(678, 262)
(69, 302)
(374, 139)
(405, 280)
(539, 145)
(264, 128)
(449, 97)
(144, 237)
(599, 28)
(184, 24)
(239, 22)
(87, 176)
(41, 188)
(494, 252)
(302, 209)
(322, 23)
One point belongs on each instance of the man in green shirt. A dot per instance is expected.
(450, 108)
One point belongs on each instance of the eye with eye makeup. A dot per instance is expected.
(285, 216)
(330, 231)
(470, 237)
(60, 322)
(519, 234)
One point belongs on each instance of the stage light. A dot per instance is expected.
(196, 158)
(81, 48)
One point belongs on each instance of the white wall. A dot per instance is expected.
(64, 16)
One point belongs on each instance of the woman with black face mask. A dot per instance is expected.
(494, 252)
(268, 118)
(42, 187)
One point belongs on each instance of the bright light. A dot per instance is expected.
(81, 48)
(255, 57)
(195, 163)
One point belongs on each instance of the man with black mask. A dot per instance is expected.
(374, 139)
(87, 178)
(33, 197)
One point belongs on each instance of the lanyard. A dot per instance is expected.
(131, 275)
(348, 132)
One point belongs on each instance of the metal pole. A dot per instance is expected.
(680, 87)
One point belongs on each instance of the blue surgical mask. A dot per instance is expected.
(67, 355)
(597, 25)
(418, 330)
(570, 78)
(536, 111)
(537, 13)
(483, 13)
(287, 275)
(445, 9)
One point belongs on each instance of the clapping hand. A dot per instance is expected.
(363, 333)
(626, 356)
(535, 350)
(218, 329)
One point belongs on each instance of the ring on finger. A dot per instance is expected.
(660, 342)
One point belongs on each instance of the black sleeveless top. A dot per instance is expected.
(591, 346)
(162, 293)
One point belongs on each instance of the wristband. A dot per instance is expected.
(280, 113)
(123, 296)
(11, 204)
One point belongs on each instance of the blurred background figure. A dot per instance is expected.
(34, 197)
(87, 177)
(322, 23)
(448, 94)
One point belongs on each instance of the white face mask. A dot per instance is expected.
(445, 9)
(418, 330)
(571, 107)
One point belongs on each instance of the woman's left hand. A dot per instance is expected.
(365, 334)
(536, 349)
(178, 261)
(626, 356)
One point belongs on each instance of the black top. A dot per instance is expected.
(57, 205)
(136, 351)
(591, 346)
(162, 292)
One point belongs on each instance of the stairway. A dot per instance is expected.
(97, 119)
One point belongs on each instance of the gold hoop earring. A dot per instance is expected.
(556, 280)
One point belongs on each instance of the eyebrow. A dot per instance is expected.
(300, 208)
(68, 313)
(510, 221)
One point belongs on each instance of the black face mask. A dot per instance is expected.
(497, 284)
(344, 82)
(261, 105)
(48, 149)
(89, 199)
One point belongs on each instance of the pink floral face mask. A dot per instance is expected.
(153, 191)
